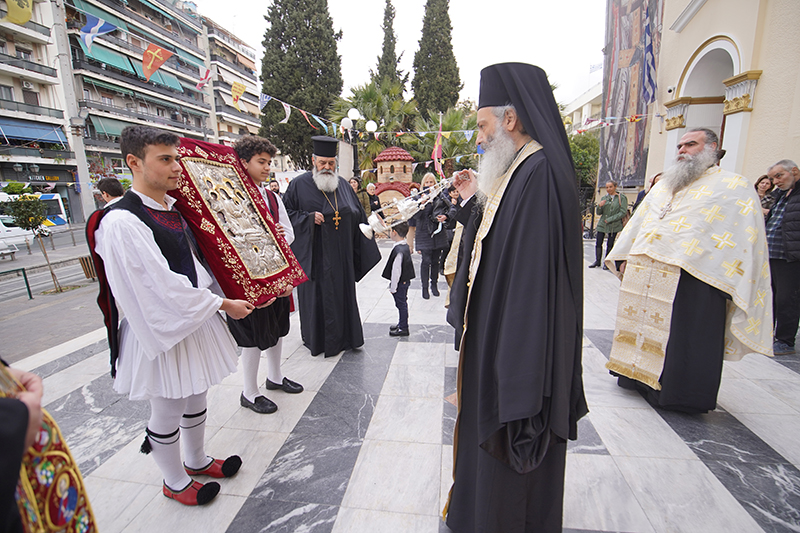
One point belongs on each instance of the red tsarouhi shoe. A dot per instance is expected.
(195, 493)
(217, 468)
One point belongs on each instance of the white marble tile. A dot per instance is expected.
(384, 316)
(787, 391)
(594, 362)
(66, 348)
(447, 475)
(310, 372)
(352, 520)
(597, 497)
(451, 355)
(381, 478)
(595, 317)
(401, 418)
(130, 465)
(256, 448)
(680, 495)
(116, 503)
(223, 403)
(745, 396)
(436, 317)
(419, 353)
(75, 377)
(635, 432)
(290, 408)
(782, 432)
(729, 370)
(756, 366)
(414, 380)
(164, 514)
(601, 390)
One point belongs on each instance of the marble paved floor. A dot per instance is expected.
(368, 446)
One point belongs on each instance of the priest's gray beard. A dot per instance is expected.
(326, 180)
(688, 168)
(500, 152)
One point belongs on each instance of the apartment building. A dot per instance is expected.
(34, 145)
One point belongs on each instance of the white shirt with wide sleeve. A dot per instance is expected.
(173, 341)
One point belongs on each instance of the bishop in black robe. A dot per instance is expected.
(519, 313)
(334, 255)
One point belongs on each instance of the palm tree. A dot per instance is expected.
(456, 120)
(383, 103)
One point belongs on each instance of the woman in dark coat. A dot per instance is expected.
(431, 237)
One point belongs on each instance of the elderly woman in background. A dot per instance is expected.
(355, 183)
(764, 189)
(374, 201)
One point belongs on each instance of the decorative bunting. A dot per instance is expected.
(237, 90)
(446, 134)
(468, 135)
(94, 26)
(321, 123)
(288, 110)
(204, 80)
(152, 59)
(19, 12)
(305, 116)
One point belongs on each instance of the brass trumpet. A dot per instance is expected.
(406, 208)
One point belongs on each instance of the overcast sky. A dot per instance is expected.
(563, 37)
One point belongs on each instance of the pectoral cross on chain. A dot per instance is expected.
(336, 219)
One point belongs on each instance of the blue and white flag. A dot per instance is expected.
(262, 101)
(94, 27)
(649, 85)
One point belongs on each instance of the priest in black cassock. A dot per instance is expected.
(325, 214)
(517, 305)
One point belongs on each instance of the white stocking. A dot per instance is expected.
(274, 362)
(250, 359)
(193, 430)
(163, 435)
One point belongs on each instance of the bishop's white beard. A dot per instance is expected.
(688, 168)
(326, 180)
(500, 152)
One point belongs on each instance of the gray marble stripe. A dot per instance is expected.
(73, 358)
(792, 362)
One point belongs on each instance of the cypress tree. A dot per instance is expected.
(436, 81)
(301, 67)
(388, 62)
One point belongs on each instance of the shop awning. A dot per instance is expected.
(156, 101)
(99, 13)
(188, 56)
(109, 57)
(170, 80)
(12, 128)
(109, 86)
(109, 126)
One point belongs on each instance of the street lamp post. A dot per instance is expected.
(348, 123)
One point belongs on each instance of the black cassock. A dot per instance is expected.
(333, 259)
(521, 391)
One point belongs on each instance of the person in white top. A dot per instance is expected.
(173, 343)
(264, 329)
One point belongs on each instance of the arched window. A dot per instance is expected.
(404, 169)
(391, 169)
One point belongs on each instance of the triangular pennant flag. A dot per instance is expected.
(399, 133)
(94, 27)
(480, 149)
(446, 134)
(305, 116)
(203, 81)
(288, 112)
(321, 123)
(262, 101)
(468, 135)
(427, 164)
(414, 166)
(458, 159)
(19, 12)
(152, 59)
(237, 90)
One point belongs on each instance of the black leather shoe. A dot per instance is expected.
(399, 333)
(434, 289)
(286, 386)
(393, 328)
(605, 267)
(262, 405)
(595, 264)
(425, 294)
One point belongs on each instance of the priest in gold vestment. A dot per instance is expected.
(696, 284)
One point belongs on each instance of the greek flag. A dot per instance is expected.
(262, 101)
(649, 85)
(94, 27)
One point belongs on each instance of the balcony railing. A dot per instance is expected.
(246, 96)
(229, 134)
(39, 152)
(11, 105)
(27, 65)
(122, 8)
(236, 46)
(235, 66)
(101, 143)
(230, 110)
(44, 30)
(136, 82)
(150, 117)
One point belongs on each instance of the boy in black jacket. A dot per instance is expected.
(399, 271)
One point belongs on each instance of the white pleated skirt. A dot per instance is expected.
(192, 366)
